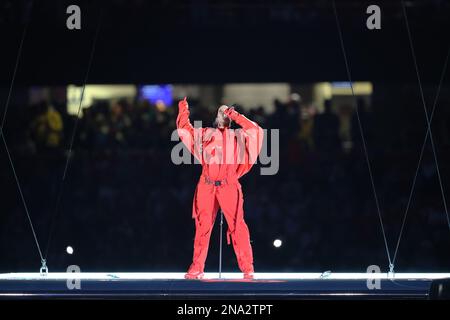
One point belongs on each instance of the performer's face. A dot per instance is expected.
(222, 120)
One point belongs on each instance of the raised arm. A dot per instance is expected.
(185, 130)
(183, 121)
(251, 128)
(253, 136)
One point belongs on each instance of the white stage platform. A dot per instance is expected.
(172, 285)
(224, 276)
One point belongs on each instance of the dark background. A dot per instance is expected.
(127, 207)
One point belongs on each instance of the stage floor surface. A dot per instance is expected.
(169, 285)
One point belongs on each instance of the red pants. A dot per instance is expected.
(207, 200)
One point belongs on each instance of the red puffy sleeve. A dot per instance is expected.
(250, 136)
(190, 136)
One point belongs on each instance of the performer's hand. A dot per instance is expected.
(231, 113)
(183, 104)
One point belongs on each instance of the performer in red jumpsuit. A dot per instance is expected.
(225, 155)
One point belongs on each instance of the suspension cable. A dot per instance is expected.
(8, 100)
(428, 133)
(72, 139)
(341, 38)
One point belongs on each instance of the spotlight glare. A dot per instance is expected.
(277, 243)
(69, 250)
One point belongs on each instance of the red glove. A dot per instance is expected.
(231, 113)
(182, 104)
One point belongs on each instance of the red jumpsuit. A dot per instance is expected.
(225, 155)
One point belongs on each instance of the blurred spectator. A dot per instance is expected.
(326, 130)
(48, 128)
